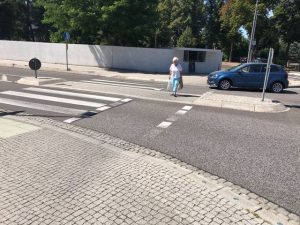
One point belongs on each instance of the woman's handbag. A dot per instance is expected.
(169, 87)
(180, 86)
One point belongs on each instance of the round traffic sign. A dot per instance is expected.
(35, 64)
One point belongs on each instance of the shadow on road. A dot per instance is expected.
(3, 113)
(293, 106)
(257, 91)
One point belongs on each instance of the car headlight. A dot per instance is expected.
(214, 76)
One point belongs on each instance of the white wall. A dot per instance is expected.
(140, 59)
(90, 55)
(212, 62)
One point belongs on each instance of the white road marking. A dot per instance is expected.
(126, 100)
(120, 82)
(103, 108)
(172, 118)
(98, 97)
(42, 107)
(181, 112)
(53, 99)
(164, 124)
(187, 107)
(71, 120)
(122, 85)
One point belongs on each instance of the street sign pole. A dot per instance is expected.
(270, 60)
(67, 58)
(35, 73)
(67, 38)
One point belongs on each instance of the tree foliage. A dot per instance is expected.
(225, 24)
(187, 39)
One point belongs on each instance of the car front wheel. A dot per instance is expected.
(224, 84)
(277, 87)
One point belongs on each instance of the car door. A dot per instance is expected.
(249, 76)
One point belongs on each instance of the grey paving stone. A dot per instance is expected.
(65, 178)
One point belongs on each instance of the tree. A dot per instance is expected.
(12, 17)
(287, 20)
(115, 22)
(294, 53)
(187, 39)
(176, 16)
(213, 26)
(230, 26)
(128, 23)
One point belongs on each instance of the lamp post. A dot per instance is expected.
(251, 42)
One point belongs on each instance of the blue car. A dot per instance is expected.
(250, 75)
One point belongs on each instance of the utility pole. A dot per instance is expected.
(251, 42)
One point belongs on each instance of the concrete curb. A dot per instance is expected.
(38, 81)
(240, 103)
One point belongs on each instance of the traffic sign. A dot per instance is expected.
(67, 36)
(35, 64)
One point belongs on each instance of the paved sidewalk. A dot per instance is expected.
(54, 173)
(123, 74)
(197, 79)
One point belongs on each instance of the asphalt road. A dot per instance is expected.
(258, 151)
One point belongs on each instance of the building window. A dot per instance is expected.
(194, 56)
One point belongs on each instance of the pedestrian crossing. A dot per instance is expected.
(76, 104)
(139, 85)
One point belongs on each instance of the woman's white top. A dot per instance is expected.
(175, 70)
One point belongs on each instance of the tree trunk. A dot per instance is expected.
(30, 31)
(231, 50)
(287, 49)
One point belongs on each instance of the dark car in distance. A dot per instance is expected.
(250, 75)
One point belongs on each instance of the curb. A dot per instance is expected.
(38, 81)
(240, 103)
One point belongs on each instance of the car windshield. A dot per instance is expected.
(234, 68)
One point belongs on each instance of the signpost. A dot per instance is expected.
(270, 60)
(67, 38)
(35, 65)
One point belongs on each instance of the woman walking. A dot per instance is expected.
(175, 75)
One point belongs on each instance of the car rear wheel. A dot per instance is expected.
(224, 84)
(277, 87)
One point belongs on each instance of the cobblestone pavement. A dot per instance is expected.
(63, 174)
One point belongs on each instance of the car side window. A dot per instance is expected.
(273, 69)
(255, 69)
(245, 69)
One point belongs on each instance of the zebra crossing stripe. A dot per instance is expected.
(98, 97)
(187, 107)
(71, 120)
(42, 107)
(120, 82)
(121, 85)
(53, 99)
(103, 108)
(126, 100)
